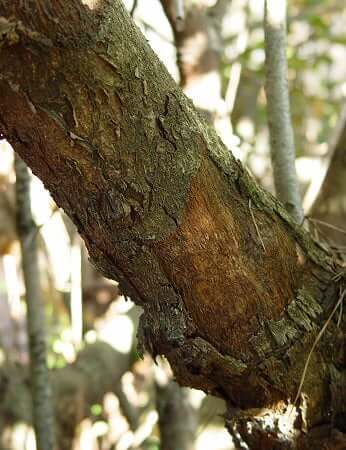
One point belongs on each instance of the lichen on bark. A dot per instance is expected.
(164, 208)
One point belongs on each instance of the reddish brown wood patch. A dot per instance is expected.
(229, 283)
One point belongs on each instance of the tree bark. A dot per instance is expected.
(41, 389)
(234, 293)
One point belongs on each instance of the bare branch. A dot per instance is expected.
(280, 127)
(41, 389)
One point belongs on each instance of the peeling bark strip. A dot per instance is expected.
(164, 208)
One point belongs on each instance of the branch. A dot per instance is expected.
(133, 9)
(220, 9)
(280, 127)
(41, 389)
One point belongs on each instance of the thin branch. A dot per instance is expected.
(179, 14)
(41, 389)
(279, 119)
(133, 9)
(318, 338)
(170, 10)
(220, 8)
(149, 27)
(232, 87)
(328, 225)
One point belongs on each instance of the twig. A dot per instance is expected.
(257, 230)
(328, 225)
(179, 15)
(134, 6)
(318, 337)
(337, 277)
(43, 415)
(232, 87)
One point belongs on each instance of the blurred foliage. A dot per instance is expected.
(151, 444)
(316, 56)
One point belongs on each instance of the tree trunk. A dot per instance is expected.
(177, 417)
(41, 390)
(234, 293)
(328, 203)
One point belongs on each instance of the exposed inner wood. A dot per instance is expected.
(164, 209)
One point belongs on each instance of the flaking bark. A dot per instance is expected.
(164, 208)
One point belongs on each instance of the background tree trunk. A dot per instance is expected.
(199, 45)
(234, 293)
(41, 389)
(177, 418)
(329, 204)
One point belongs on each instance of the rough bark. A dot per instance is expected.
(278, 105)
(234, 293)
(198, 43)
(41, 389)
